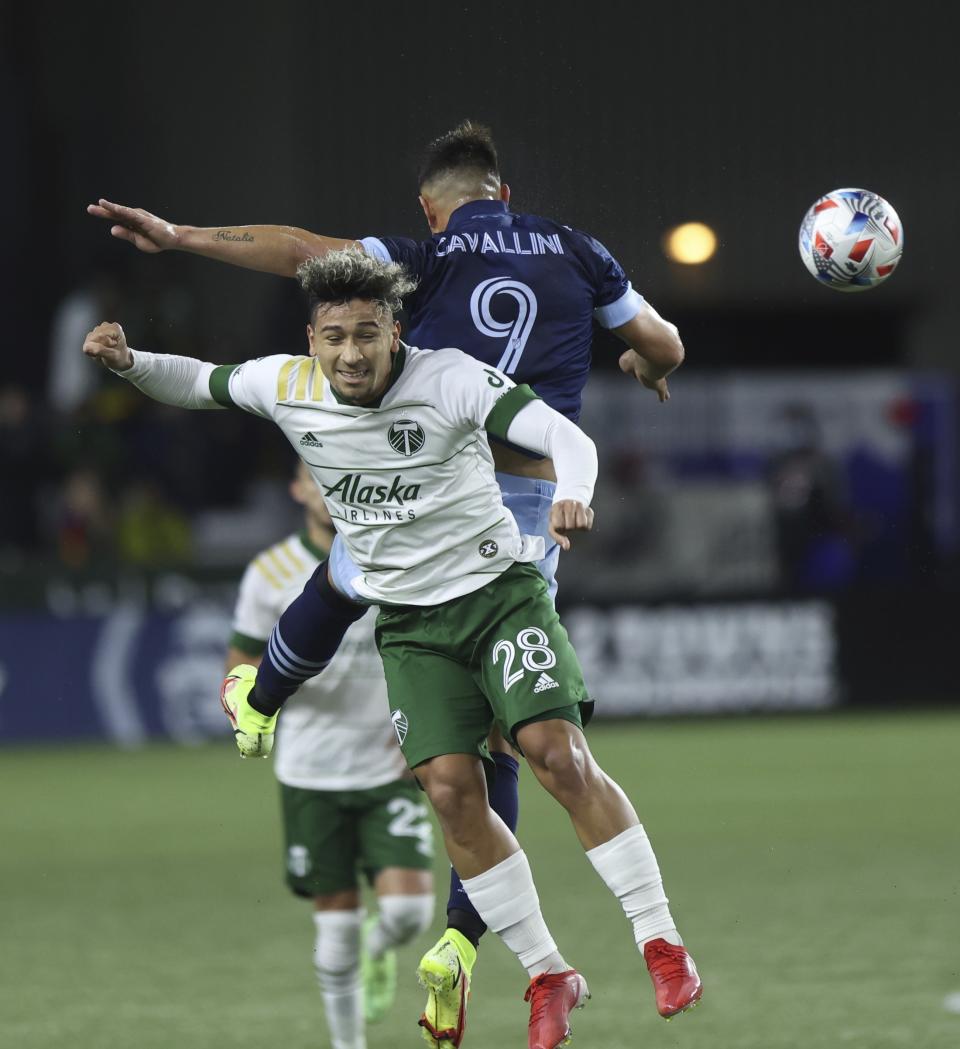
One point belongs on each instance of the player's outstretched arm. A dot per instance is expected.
(271, 249)
(655, 349)
(181, 381)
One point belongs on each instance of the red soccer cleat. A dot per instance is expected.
(552, 997)
(675, 977)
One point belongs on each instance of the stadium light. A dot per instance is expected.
(690, 243)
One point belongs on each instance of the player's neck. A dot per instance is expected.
(469, 198)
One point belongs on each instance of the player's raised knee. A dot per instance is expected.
(454, 784)
(556, 749)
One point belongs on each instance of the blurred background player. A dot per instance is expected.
(516, 291)
(349, 804)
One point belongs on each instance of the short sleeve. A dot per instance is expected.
(615, 301)
(411, 254)
(252, 385)
(470, 391)
(257, 608)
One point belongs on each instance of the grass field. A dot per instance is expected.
(813, 865)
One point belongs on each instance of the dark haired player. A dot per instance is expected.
(515, 291)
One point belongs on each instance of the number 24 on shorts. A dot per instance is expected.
(536, 655)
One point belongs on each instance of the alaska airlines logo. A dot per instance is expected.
(406, 436)
(351, 489)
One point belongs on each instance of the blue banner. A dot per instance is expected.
(128, 675)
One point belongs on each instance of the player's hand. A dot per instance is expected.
(108, 345)
(252, 730)
(631, 363)
(569, 516)
(147, 232)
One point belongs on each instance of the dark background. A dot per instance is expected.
(623, 119)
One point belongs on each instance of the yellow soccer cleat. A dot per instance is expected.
(445, 972)
(252, 730)
(379, 977)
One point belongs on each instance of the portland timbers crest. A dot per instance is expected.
(406, 436)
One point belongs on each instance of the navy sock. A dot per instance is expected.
(505, 801)
(303, 641)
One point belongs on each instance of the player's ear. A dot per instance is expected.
(429, 213)
(310, 335)
(396, 337)
(504, 192)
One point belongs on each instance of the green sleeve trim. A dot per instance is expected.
(506, 409)
(220, 384)
(250, 646)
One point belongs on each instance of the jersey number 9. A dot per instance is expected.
(516, 331)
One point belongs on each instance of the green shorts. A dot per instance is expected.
(333, 835)
(498, 655)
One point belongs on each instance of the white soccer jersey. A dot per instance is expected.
(335, 732)
(409, 482)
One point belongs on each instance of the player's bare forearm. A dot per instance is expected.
(270, 249)
(655, 350)
(655, 341)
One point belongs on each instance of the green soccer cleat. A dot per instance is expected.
(379, 977)
(252, 730)
(445, 972)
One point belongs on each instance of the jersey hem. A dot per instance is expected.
(375, 247)
(619, 312)
(343, 783)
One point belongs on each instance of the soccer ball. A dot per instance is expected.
(851, 240)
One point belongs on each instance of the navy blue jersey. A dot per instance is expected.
(519, 292)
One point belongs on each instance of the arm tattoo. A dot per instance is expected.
(227, 234)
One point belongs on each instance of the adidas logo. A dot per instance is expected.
(310, 440)
(544, 681)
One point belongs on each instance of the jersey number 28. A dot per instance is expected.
(536, 655)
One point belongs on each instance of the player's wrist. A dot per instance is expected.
(573, 494)
(188, 238)
(125, 366)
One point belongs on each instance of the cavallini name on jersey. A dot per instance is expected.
(527, 242)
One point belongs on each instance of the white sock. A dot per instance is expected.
(399, 919)
(506, 899)
(336, 958)
(628, 866)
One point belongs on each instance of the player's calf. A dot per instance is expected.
(336, 958)
(398, 920)
(618, 847)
